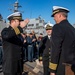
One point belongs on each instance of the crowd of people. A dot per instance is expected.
(31, 46)
(56, 50)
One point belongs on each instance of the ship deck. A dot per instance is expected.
(31, 68)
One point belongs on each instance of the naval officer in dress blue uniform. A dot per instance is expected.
(63, 41)
(12, 42)
(45, 49)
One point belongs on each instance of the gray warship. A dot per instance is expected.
(3, 23)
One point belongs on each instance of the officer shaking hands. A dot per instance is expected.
(63, 43)
(12, 42)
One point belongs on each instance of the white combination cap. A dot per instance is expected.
(48, 26)
(57, 9)
(15, 15)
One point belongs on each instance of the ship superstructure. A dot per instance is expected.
(3, 23)
(36, 24)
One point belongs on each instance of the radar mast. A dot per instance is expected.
(16, 7)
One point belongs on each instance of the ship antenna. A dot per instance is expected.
(16, 6)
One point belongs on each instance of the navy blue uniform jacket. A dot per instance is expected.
(63, 43)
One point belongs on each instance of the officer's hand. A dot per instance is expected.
(52, 73)
(24, 41)
(24, 23)
(33, 40)
(40, 62)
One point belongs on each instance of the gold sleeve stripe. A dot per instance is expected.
(16, 31)
(52, 66)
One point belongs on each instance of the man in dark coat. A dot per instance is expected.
(44, 50)
(12, 42)
(63, 42)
